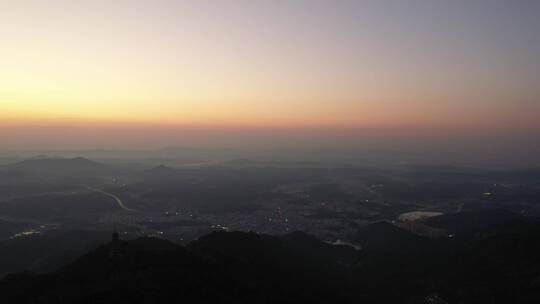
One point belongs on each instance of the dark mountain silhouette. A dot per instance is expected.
(8, 229)
(472, 223)
(239, 267)
(384, 236)
(294, 249)
(44, 253)
(500, 268)
(309, 246)
(220, 267)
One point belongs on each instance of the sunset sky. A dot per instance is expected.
(288, 65)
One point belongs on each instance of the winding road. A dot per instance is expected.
(118, 201)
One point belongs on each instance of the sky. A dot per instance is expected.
(99, 73)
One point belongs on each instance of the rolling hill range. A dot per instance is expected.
(59, 166)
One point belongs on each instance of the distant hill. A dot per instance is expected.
(60, 167)
(197, 154)
(159, 172)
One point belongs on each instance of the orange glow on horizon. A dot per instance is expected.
(189, 65)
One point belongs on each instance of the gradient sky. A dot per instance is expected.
(415, 65)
